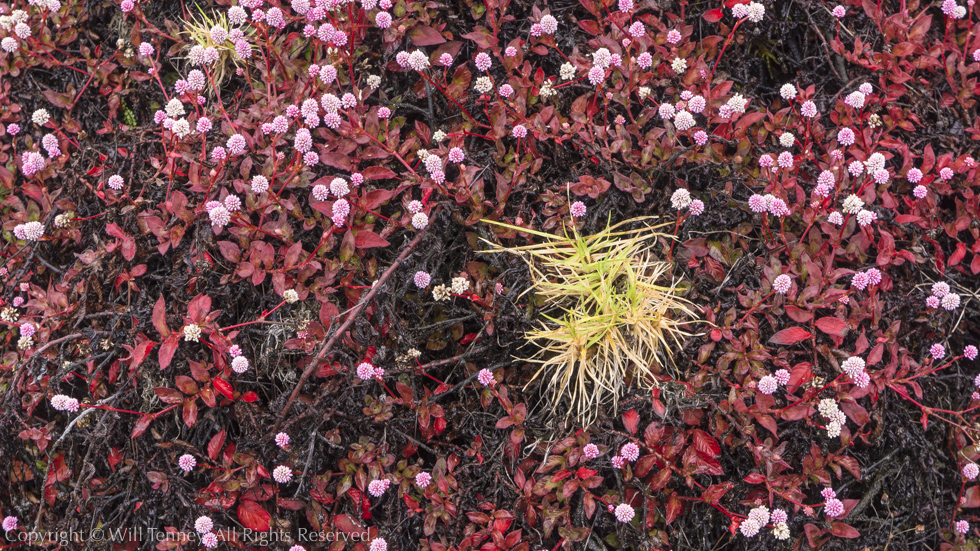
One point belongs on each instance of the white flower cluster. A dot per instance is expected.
(754, 11)
(835, 417)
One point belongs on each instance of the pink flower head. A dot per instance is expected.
(591, 451)
(13, 129)
(962, 526)
(597, 74)
(203, 525)
(749, 527)
(422, 279)
(61, 402)
(519, 131)
(696, 208)
(365, 371)
(768, 384)
(9, 523)
(757, 203)
(377, 488)
(808, 109)
(209, 540)
(855, 99)
(674, 36)
(859, 281)
(950, 302)
(127, 6)
(833, 508)
(782, 283)
(777, 207)
(845, 136)
(577, 210)
(485, 377)
(423, 480)
(700, 137)
(506, 91)
(777, 516)
(510, 51)
(932, 302)
(384, 113)
(624, 513)
(630, 452)
(378, 544)
(186, 462)
(239, 364)
(946, 173)
(828, 493)
(970, 471)
(617, 461)
(874, 276)
(18, 301)
(839, 12)
(483, 61)
(456, 155)
(382, 20)
(636, 30)
(970, 352)
(644, 60)
(27, 330)
(282, 474)
(536, 30)
(937, 351)
(940, 289)
(765, 161)
(282, 439)
(920, 191)
(785, 159)
(914, 175)
(782, 377)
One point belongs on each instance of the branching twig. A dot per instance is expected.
(322, 353)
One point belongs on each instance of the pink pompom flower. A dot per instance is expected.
(187, 462)
(485, 377)
(282, 439)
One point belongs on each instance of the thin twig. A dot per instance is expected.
(343, 328)
(82, 416)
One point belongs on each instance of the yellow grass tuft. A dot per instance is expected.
(198, 31)
(608, 314)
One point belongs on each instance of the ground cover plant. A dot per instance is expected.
(260, 288)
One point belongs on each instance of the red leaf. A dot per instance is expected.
(832, 326)
(957, 255)
(378, 173)
(705, 443)
(813, 535)
(424, 35)
(366, 239)
(674, 508)
(713, 16)
(631, 419)
(790, 336)
(715, 492)
(754, 478)
(167, 350)
(169, 395)
(186, 385)
(115, 456)
(224, 387)
(160, 317)
(141, 426)
(346, 525)
(189, 412)
(214, 446)
(250, 396)
(253, 516)
(971, 498)
(842, 530)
